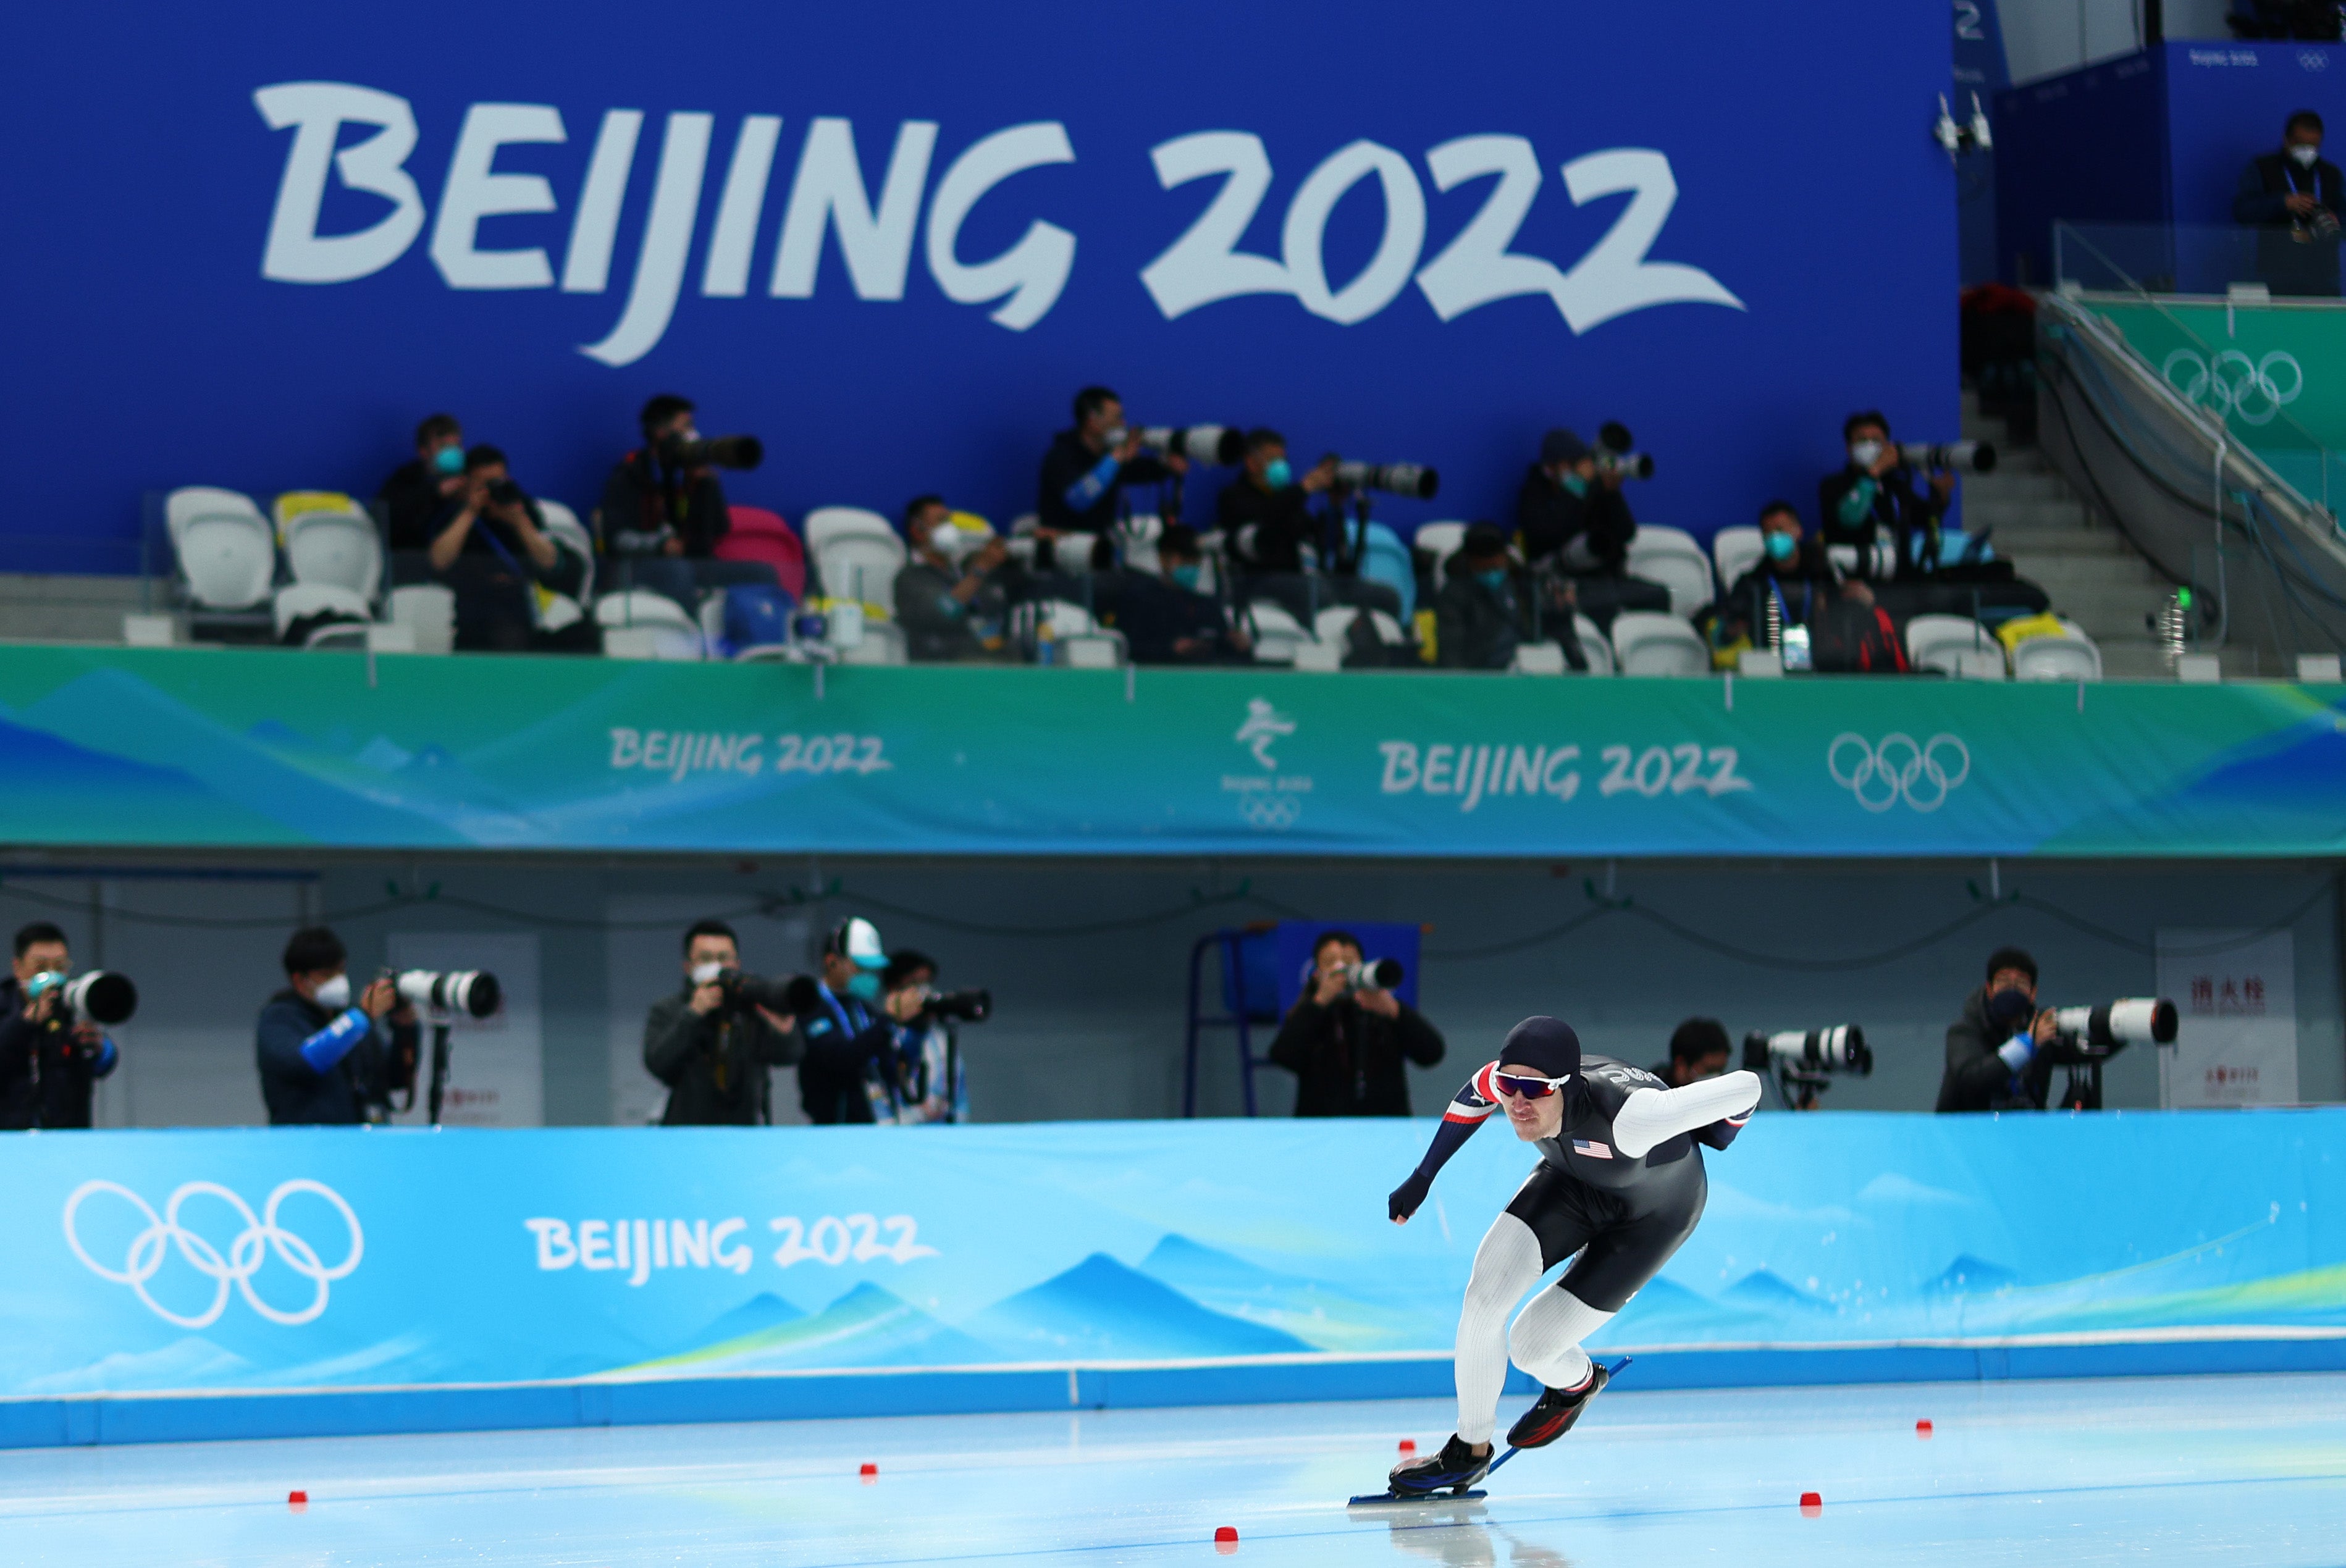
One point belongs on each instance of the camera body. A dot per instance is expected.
(99, 996)
(1617, 453)
(713, 451)
(1211, 445)
(505, 492)
(744, 990)
(1393, 478)
(473, 992)
(1949, 457)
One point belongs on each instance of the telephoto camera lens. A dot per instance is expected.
(969, 1006)
(2131, 1021)
(470, 991)
(1393, 478)
(1215, 445)
(1377, 974)
(743, 989)
(1617, 454)
(715, 451)
(1840, 1049)
(1951, 456)
(97, 997)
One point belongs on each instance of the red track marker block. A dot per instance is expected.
(868, 1473)
(1408, 1446)
(297, 1501)
(1811, 1504)
(1226, 1538)
(1922, 1429)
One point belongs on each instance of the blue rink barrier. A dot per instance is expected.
(172, 1286)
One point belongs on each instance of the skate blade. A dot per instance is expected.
(1421, 1499)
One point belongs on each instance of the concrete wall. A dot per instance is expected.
(1091, 1003)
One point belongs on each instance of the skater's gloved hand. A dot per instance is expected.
(1407, 1197)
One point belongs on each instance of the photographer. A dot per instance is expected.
(655, 508)
(1698, 1050)
(1266, 516)
(1873, 496)
(1819, 619)
(710, 1049)
(1576, 523)
(326, 1061)
(927, 1085)
(953, 612)
(48, 1061)
(1084, 472)
(1164, 619)
(851, 1055)
(2293, 197)
(1346, 1042)
(417, 490)
(1997, 1056)
(489, 546)
(1479, 616)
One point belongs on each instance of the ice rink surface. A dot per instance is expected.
(2245, 1469)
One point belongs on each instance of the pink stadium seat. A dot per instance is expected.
(757, 534)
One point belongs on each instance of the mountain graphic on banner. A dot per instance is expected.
(52, 780)
(1102, 1310)
(867, 1327)
(1322, 1315)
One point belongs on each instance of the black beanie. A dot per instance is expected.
(1545, 1045)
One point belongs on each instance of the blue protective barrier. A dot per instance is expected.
(208, 1284)
(893, 239)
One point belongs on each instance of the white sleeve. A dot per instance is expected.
(1652, 1116)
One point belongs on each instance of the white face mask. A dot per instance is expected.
(1865, 453)
(335, 995)
(2304, 155)
(1116, 435)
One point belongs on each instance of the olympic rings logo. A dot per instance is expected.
(2234, 385)
(1898, 769)
(261, 1236)
(1272, 813)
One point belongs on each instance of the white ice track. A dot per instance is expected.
(2249, 1471)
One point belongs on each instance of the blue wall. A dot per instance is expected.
(151, 351)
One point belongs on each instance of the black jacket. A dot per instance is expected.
(1977, 1079)
(1350, 1063)
(843, 1042)
(1268, 530)
(45, 1073)
(2293, 256)
(938, 627)
(1063, 500)
(1807, 582)
(1549, 518)
(645, 500)
(714, 1065)
(1899, 504)
(412, 497)
(355, 1089)
(1476, 628)
(1153, 614)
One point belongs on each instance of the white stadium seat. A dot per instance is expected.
(226, 548)
(639, 623)
(1671, 557)
(428, 611)
(2071, 656)
(882, 643)
(1439, 540)
(1539, 658)
(1956, 645)
(1334, 624)
(1646, 642)
(331, 544)
(1735, 551)
(1593, 646)
(1277, 635)
(297, 601)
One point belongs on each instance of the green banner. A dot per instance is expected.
(219, 748)
(2276, 374)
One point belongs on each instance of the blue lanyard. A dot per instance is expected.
(839, 1010)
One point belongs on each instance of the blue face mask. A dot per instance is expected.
(1575, 484)
(1495, 578)
(863, 986)
(1278, 475)
(1185, 576)
(1783, 546)
(449, 460)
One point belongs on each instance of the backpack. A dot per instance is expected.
(1858, 639)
